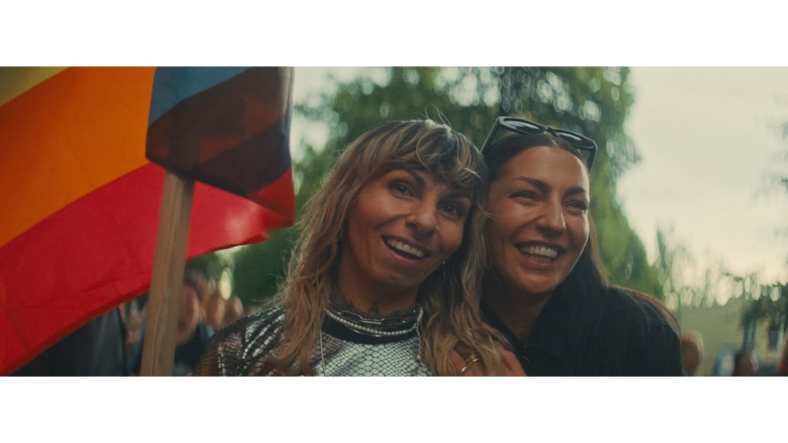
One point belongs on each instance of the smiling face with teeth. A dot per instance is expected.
(399, 230)
(539, 226)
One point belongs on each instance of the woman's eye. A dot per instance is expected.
(454, 209)
(401, 188)
(579, 205)
(524, 194)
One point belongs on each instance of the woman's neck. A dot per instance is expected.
(364, 297)
(516, 309)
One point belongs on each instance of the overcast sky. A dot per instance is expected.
(707, 143)
(707, 140)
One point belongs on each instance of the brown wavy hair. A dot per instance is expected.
(588, 278)
(450, 296)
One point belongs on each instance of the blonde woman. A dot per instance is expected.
(386, 274)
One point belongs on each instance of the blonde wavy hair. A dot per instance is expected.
(450, 296)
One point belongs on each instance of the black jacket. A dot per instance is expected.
(614, 333)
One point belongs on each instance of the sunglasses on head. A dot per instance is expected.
(585, 145)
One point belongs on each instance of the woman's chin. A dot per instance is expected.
(536, 288)
(412, 275)
(400, 284)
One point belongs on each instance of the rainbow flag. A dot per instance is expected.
(80, 201)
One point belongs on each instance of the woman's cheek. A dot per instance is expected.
(456, 236)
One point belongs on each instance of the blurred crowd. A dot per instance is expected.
(204, 310)
(741, 363)
(112, 344)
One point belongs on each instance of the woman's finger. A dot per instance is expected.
(475, 369)
(458, 360)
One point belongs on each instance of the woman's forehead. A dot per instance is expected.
(421, 174)
(549, 164)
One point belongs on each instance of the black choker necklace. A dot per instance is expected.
(382, 326)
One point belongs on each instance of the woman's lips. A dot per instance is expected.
(539, 254)
(405, 249)
(545, 254)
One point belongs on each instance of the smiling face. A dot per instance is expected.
(400, 229)
(539, 219)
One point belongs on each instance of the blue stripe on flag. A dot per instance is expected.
(173, 85)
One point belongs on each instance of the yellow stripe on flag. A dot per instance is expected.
(68, 136)
(15, 81)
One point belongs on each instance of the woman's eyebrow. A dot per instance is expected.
(420, 181)
(457, 194)
(545, 188)
(542, 186)
(575, 190)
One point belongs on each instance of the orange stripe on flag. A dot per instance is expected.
(67, 136)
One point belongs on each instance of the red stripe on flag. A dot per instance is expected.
(277, 195)
(97, 252)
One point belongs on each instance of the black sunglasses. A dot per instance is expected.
(585, 145)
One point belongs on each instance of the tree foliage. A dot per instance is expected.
(594, 101)
(770, 301)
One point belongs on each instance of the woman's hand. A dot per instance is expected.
(511, 366)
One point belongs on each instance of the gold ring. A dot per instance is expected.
(472, 356)
(470, 362)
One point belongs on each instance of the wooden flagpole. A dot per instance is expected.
(161, 324)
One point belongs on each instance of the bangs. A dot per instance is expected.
(449, 156)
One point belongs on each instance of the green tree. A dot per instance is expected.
(769, 303)
(773, 307)
(593, 101)
(687, 281)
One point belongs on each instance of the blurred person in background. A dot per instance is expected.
(192, 334)
(133, 330)
(252, 310)
(385, 276)
(214, 310)
(782, 366)
(723, 366)
(95, 349)
(197, 279)
(691, 352)
(234, 310)
(546, 289)
(745, 363)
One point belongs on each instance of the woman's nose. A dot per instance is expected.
(422, 219)
(552, 217)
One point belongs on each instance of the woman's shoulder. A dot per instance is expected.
(641, 308)
(649, 329)
(257, 325)
(250, 339)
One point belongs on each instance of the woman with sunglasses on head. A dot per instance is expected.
(546, 289)
(387, 271)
